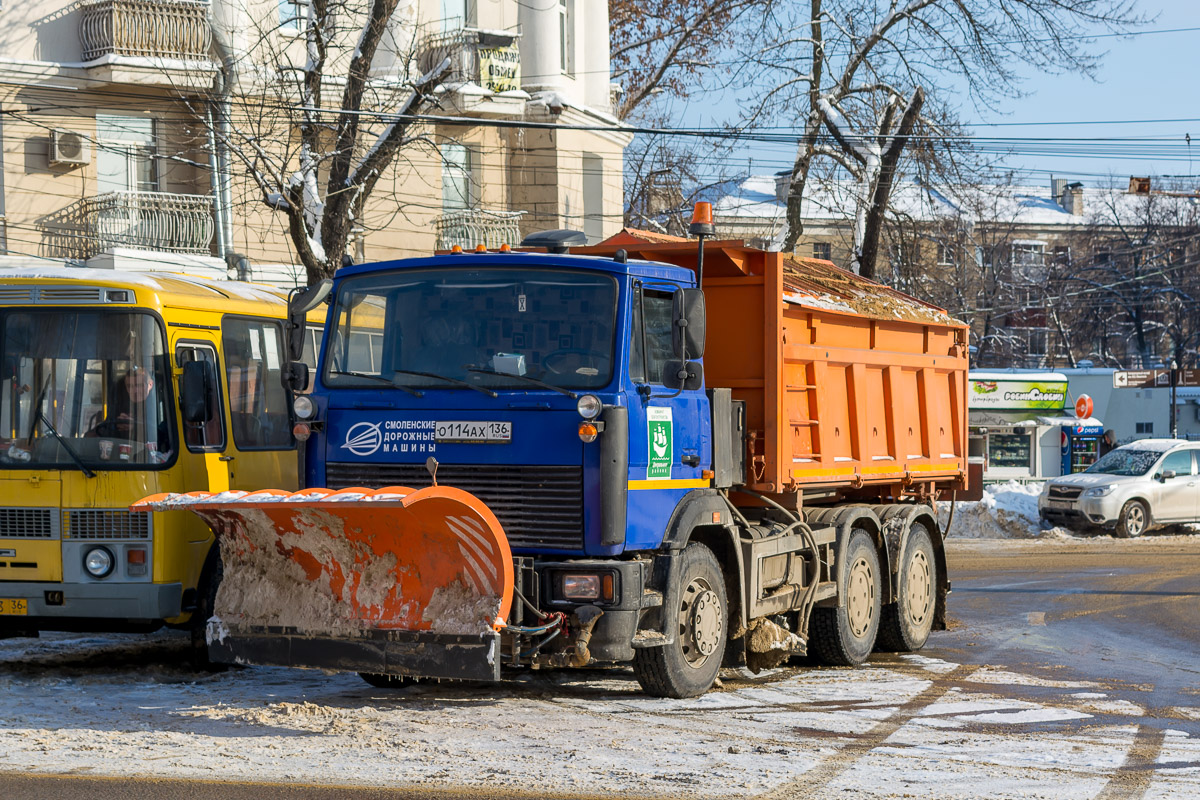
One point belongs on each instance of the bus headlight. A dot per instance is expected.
(99, 562)
(589, 406)
(304, 407)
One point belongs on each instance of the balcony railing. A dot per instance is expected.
(154, 28)
(169, 223)
(471, 227)
(486, 58)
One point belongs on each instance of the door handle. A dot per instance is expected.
(225, 458)
(691, 461)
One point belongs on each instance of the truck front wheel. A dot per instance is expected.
(688, 666)
(906, 623)
(844, 635)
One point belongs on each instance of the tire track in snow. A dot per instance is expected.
(828, 770)
(1132, 779)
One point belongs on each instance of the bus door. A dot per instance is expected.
(207, 460)
(260, 422)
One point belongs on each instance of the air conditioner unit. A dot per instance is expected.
(69, 147)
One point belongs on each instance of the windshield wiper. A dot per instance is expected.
(455, 381)
(380, 378)
(74, 457)
(526, 378)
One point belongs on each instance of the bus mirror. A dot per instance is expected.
(195, 391)
(687, 311)
(683, 375)
(300, 302)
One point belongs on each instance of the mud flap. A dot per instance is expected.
(393, 580)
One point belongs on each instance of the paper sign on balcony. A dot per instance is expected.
(500, 68)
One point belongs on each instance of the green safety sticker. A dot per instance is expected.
(658, 432)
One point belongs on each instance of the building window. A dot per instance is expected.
(945, 255)
(1145, 427)
(126, 154)
(593, 198)
(460, 187)
(566, 36)
(1061, 256)
(293, 14)
(1035, 342)
(823, 251)
(457, 14)
(1028, 262)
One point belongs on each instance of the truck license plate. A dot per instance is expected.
(15, 606)
(488, 432)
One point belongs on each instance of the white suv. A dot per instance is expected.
(1131, 489)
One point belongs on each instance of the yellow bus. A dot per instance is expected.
(114, 386)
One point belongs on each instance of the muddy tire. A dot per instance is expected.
(688, 666)
(381, 681)
(845, 635)
(906, 623)
(1133, 520)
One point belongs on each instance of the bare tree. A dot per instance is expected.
(316, 110)
(859, 75)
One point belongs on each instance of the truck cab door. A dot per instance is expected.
(669, 439)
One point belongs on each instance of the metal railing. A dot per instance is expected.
(470, 227)
(172, 223)
(463, 48)
(155, 28)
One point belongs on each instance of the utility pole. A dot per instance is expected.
(1174, 381)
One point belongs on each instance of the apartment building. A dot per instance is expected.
(114, 155)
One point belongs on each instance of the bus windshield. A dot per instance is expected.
(83, 388)
(491, 328)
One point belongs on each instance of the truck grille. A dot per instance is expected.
(539, 507)
(27, 523)
(99, 523)
(1064, 492)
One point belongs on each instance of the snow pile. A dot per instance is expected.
(1007, 511)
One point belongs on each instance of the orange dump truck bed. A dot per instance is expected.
(848, 384)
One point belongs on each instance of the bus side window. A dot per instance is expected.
(208, 436)
(258, 402)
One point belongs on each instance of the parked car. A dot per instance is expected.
(1138, 486)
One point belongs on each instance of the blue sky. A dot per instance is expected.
(1153, 75)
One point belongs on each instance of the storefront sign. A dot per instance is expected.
(500, 68)
(1017, 395)
(1151, 378)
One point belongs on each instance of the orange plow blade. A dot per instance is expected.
(358, 579)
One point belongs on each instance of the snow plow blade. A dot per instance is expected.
(393, 581)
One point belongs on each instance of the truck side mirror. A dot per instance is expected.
(687, 313)
(196, 391)
(296, 377)
(300, 302)
(683, 375)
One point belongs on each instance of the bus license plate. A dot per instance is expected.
(488, 432)
(15, 606)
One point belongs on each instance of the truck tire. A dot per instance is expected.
(905, 624)
(688, 666)
(1133, 520)
(845, 635)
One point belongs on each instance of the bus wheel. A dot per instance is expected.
(845, 635)
(206, 597)
(906, 623)
(688, 666)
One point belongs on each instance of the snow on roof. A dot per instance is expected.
(759, 197)
(1158, 445)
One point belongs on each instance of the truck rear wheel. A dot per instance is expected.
(688, 666)
(845, 635)
(906, 623)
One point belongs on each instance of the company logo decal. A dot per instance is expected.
(363, 439)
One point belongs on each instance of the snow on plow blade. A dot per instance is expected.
(393, 580)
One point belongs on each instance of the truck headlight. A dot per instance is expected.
(303, 406)
(1101, 491)
(589, 406)
(99, 562)
(587, 586)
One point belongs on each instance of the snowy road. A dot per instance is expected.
(913, 726)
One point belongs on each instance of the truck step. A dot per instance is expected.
(650, 639)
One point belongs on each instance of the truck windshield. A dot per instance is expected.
(553, 326)
(1125, 462)
(99, 380)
